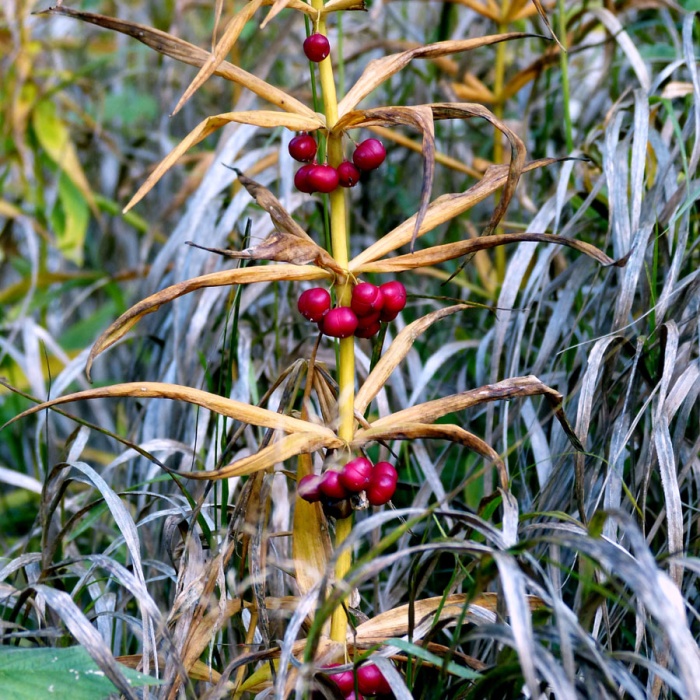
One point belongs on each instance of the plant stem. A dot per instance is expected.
(564, 64)
(346, 359)
(498, 83)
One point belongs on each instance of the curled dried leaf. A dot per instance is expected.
(152, 303)
(263, 118)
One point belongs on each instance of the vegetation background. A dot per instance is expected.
(597, 573)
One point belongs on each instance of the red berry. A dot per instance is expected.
(308, 488)
(316, 47)
(369, 320)
(301, 179)
(384, 469)
(366, 299)
(339, 323)
(394, 299)
(370, 680)
(380, 490)
(331, 486)
(348, 174)
(314, 304)
(303, 148)
(370, 154)
(344, 680)
(368, 331)
(355, 474)
(354, 696)
(323, 178)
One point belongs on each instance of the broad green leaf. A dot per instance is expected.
(74, 218)
(30, 674)
(421, 653)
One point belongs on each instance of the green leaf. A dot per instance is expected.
(416, 651)
(29, 674)
(74, 219)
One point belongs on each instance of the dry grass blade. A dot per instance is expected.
(183, 51)
(381, 69)
(311, 544)
(150, 304)
(238, 410)
(223, 46)
(395, 353)
(508, 389)
(450, 251)
(262, 118)
(541, 12)
(443, 209)
(402, 430)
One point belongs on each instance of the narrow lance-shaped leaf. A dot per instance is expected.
(395, 353)
(246, 275)
(381, 69)
(263, 118)
(508, 389)
(183, 51)
(443, 209)
(450, 251)
(243, 412)
(223, 46)
(419, 431)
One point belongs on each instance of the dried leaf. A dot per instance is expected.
(223, 46)
(381, 69)
(395, 353)
(443, 209)
(190, 54)
(311, 544)
(152, 303)
(227, 407)
(450, 251)
(401, 430)
(263, 118)
(542, 14)
(505, 390)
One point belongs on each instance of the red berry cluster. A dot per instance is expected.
(321, 177)
(369, 306)
(378, 482)
(370, 681)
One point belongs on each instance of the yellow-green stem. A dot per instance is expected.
(346, 358)
(498, 83)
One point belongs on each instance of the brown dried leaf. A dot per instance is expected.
(401, 430)
(238, 410)
(223, 46)
(516, 387)
(263, 118)
(545, 19)
(444, 208)
(420, 117)
(311, 544)
(343, 6)
(450, 251)
(396, 352)
(152, 303)
(381, 69)
(190, 54)
(395, 623)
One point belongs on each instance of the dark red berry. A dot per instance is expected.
(380, 490)
(368, 331)
(323, 178)
(354, 696)
(339, 323)
(331, 486)
(370, 680)
(384, 469)
(316, 47)
(303, 148)
(355, 474)
(370, 154)
(369, 320)
(314, 304)
(366, 299)
(308, 488)
(348, 174)
(344, 680)
(301, 179)
(394, 299)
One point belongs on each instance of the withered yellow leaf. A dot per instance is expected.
(247, 275)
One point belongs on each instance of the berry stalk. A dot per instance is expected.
(346, 357)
